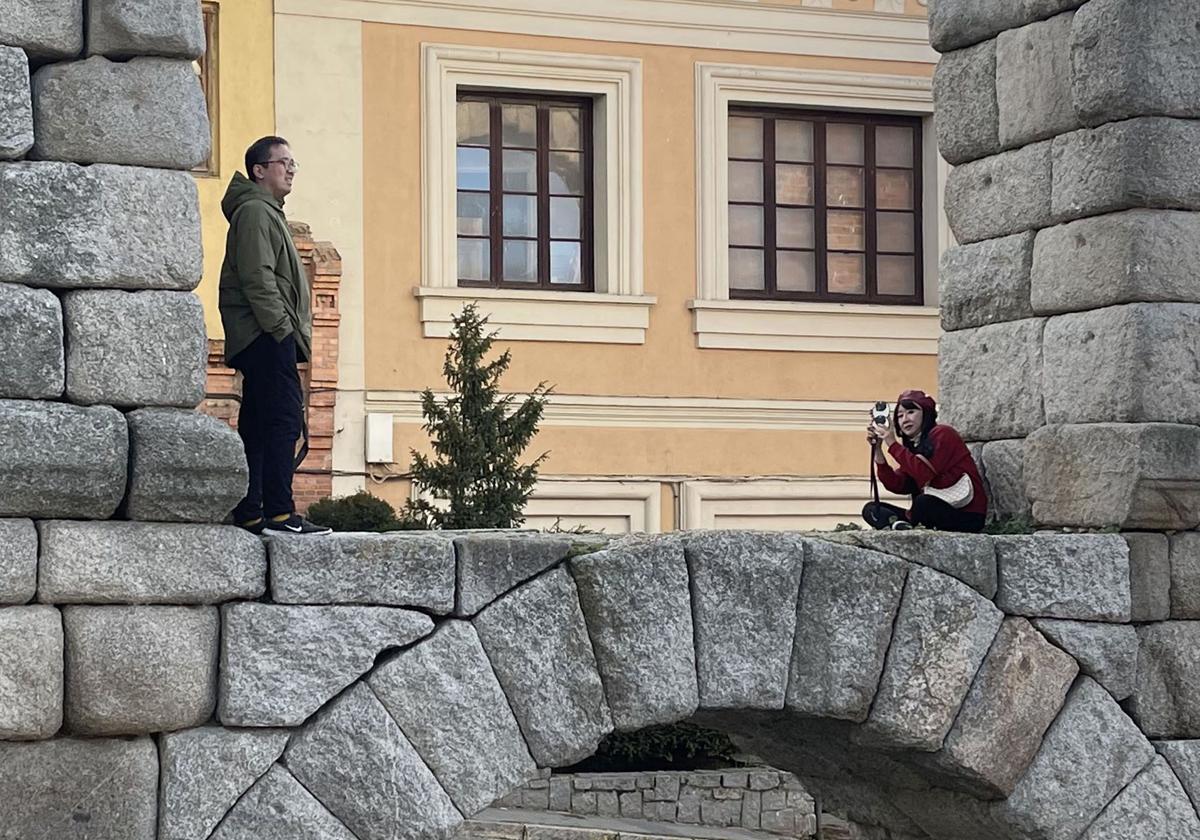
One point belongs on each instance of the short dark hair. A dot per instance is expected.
(260, 152)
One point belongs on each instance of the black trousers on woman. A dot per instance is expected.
(927, 511)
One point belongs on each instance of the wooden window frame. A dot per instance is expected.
(210, 84)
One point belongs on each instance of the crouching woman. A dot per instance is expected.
(933, 465)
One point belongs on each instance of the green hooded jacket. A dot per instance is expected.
(263, 286)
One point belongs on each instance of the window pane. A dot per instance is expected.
(795, 271)
(894, 189)
(474, 259)
(844, 143)
(845, 231)
(746, 269)
(794, 228)
(520, 215)
(847, 274)
(519, 125)
(793, 184)
(564, 217)
(894, 232)
(745, 181)
(566, 262)
(520, 171)
(473, 169)
(745, 137)
(844, 187)
(794, 141)
(473, 213)
(566, 173)
(893, 146)
(745, 225)
(895, 276)
(564, 128)
(474, 123)
(520, 261)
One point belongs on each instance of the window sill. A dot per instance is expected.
(519, 315)
(815, 327)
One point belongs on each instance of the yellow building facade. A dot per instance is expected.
(712, 225)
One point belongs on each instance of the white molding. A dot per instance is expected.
(795, 504)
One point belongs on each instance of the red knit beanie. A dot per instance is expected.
(922, 399)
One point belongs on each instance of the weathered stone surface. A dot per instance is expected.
(1184, 758)
(968, 557)
(139, 669)
(447, 701)
(31, 343)
(957, 23)
(31, 673)
(744, 591)
(400, 570)
(358, 763)
(848, 602)
(1033, 81)
(122, 29)
(279, 664)
(205, 771)
(144, 112)
(1004, 474)
(538, 644)
(1142, 475)
(967, 117)
(986, 282)
(636, 600)
(488, 565)
(16, 107)
(1143, 162)
(131, 349)
(278, 807)
(61, 460)
(1105, 652)
(46, 29)
(1184, 584)
(183, 467)
(145, 563)
(943, 631)
(1081, 576)
(1136, 255)
(1166, 702)
(18, 561)
(990, 380)
(1149, 576)
(79, 789)
(103, 226)
(1153, 805)
(1000, 195)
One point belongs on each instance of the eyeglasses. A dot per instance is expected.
(289, 165)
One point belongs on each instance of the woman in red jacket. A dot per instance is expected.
(933, 465)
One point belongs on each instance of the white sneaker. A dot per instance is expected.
(902, 525)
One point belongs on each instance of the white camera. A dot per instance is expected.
(881, 414)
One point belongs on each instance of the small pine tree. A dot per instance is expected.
(477, 437)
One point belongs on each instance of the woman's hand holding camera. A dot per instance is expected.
(877, 435)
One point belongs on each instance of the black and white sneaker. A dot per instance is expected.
(902, 525)
(295, 524)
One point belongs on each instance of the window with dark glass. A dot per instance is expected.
(206, 71)
(524, 176)
(824, 207)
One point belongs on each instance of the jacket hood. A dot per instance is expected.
(242, 191)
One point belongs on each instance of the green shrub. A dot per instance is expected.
(360, 512)
(1009, 525)
(847, 526)
(675, 746)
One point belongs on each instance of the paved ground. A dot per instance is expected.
(507, 824)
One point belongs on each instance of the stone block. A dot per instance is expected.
(79, 789)
(183, 467)
(133, 670)
(1080, 576)
(18, 561)
(144, 563)
(132, 349)
(1106, 652)
(144, 112)
(278, 807)
(986, 282)
(744, 591)
(16, 105)
(31, 673)
(1149, 576)
(61, 460)
(279, 664)
(490, 564)
(957, 23)
(120, 29)
(1128, 257)
(31, 343)
(607, 804)
(763, 780)
(205, 771)
(1153, 805)
(1166, 701)
(560, 795)
(1004, 475)
(943, 632)
(1130, 475)
(967, 117)
(990, 380)
(636, 600)
(1142, 162)
(358, 763)
(847, 606)
(1033, 81)
(46, 29)
(1184, 570)
(68, 226)
(968, 557)
(537, 640)
(1184, 758)
(1001, 195)
(395, 570)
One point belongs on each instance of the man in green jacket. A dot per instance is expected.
(267, 313)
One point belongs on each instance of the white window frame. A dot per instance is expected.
(618, 310)
(720, 322)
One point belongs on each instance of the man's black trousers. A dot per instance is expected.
(269, 421)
